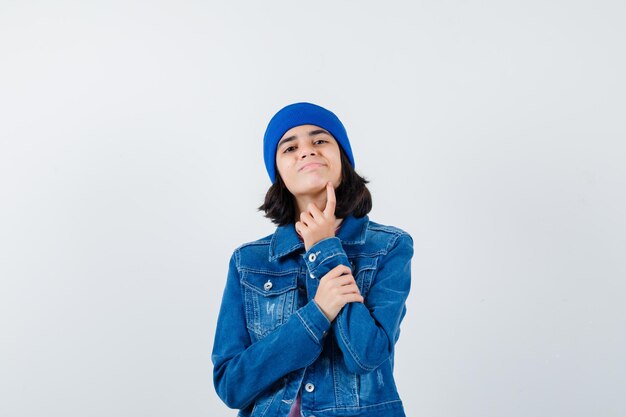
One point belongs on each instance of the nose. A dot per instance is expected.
(306, 150)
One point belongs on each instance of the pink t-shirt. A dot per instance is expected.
(295, 408)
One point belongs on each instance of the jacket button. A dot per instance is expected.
(309, 387)
(312, 257)
(268, 285)
(312, 276)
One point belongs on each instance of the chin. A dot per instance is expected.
(307, 187)
(317, 182)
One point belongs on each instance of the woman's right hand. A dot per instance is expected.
(336, 289)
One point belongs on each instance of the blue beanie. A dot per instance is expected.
(297, 114)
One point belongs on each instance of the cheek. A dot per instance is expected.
(337, 171)
(284, 169)
(337, 164)
(280, 165)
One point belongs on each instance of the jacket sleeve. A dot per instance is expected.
(242, 370)
(367, 332)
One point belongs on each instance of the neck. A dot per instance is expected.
(320, 203)
(303, 202)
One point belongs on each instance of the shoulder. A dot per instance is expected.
(376, 227)
(259, 244)
(387, 236)
(257, 249)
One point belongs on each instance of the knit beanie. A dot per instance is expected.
(297, 114)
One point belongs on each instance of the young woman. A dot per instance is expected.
(311, 313)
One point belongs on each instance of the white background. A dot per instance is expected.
(131, 166)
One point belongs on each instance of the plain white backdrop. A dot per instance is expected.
(131, 166)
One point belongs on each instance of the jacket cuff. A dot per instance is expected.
(325, 255)
(314, 320)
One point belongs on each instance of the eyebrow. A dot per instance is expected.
(311, 133)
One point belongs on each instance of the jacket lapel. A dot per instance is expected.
(285, 239)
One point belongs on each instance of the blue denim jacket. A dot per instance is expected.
(272, 338)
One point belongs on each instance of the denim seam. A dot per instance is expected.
(256, 316)
(356, 408)
(367, 281)
(253, 243)
(268, 293)
(392, 243)
(386, 228)
(308, 329)
(269, 403)
(326, 259)
(332, 364)
(237, 263)
(286, 251)
(366, 254)
(267, 272)
(356, 389)
(320, 310)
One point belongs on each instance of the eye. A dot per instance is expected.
(288, 149)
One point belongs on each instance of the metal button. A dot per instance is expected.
(312, 276)
(268, 285)
(312, 257)
(309, 387)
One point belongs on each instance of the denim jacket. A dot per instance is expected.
(272, 338)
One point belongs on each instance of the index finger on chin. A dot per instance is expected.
(331, 200)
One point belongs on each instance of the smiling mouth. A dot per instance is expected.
(311, 166)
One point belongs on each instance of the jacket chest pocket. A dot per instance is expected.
(363, 270)
(269, 299)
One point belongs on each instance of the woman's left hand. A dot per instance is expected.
(314, 224)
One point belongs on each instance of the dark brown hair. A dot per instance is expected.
(353, 197)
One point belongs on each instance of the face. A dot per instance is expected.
(307, 157)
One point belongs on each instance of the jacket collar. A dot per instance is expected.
(285, 239)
